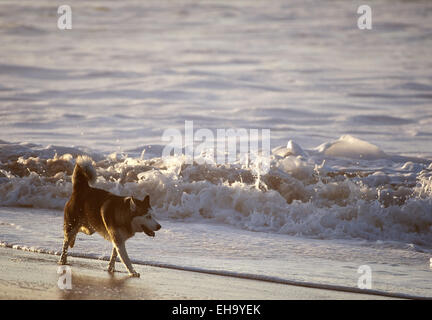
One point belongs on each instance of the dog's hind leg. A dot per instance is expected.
(63, 257)
(112, 260)
(68, 241)
(70, 229)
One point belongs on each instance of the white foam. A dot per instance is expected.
(306, 193)
(292, 148)
(350, 147)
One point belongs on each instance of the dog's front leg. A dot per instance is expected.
(121, 250)
(112, 260)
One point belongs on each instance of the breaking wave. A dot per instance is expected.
(345, 189)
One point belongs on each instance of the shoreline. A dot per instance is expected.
(33, 276)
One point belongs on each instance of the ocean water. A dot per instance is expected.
(350, 114)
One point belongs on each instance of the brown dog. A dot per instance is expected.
(116, 218)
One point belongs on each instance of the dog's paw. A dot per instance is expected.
(111, 270)
(134, 274)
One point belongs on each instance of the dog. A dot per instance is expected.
(116, 218)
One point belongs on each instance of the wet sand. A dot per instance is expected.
(29, 275)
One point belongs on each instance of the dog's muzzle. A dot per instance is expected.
(148, 231)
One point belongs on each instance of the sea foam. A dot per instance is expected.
(347, 189)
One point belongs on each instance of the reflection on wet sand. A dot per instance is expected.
(113, 286)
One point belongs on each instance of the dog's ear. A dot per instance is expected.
(146, 202)
(132, 204)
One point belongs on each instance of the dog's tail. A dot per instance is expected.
(84, 172)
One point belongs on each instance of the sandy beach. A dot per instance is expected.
(27, 275)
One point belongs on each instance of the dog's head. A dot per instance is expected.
(142, 220)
